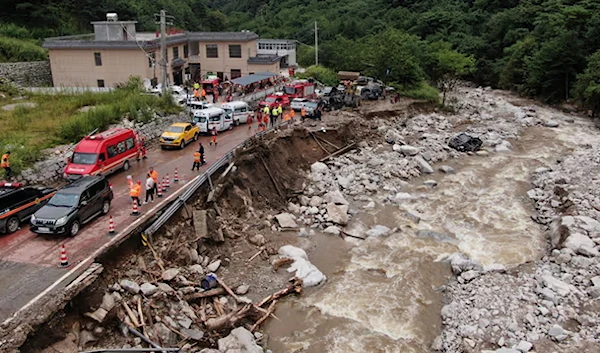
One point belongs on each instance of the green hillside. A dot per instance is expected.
(541, 48)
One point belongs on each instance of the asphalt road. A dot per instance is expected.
(29, 262)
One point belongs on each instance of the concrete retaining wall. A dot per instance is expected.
(28, 74)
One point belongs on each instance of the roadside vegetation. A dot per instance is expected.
(59, 119)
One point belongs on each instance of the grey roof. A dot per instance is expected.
(286, 41)
(249, 79)
(267, 59)
(88, 42)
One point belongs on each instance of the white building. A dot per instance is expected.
(284, 48)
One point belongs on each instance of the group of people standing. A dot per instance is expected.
(151, 184)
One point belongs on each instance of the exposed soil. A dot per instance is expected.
(245, 200)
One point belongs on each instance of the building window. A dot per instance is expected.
(175, 53)
(235, 73)
(186, 51)
(235, 51)
(98, 59)
(212, 51)
(100, 83)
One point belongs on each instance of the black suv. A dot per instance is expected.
(17, 203)
(72, 206)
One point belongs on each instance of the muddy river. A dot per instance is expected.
(383, 294)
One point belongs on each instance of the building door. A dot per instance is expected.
(178, 77)
(220, 75)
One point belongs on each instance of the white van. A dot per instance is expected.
(238, 111)
(208, 118)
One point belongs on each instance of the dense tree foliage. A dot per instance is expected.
(536, 47)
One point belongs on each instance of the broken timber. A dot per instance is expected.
(338, 152)
(272, 178)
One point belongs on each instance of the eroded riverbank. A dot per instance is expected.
(387, 294)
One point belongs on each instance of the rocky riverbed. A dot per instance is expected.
(522, 274)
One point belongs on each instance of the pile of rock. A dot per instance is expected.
(555, 300)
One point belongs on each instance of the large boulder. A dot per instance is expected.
(408, 150)
(335, 197)
(424, 167)
(286, 220)
(337, 214)
(239, 340)
(581, 244)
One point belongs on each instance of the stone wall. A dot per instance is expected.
(50, 169)
(28, 74)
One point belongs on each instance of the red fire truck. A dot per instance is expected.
(300, 89)
(210, 85)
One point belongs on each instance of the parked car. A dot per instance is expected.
(312, 105)
(103, 153)
(298, 103)
(179, 135)
(237, 111)
(274, 100)
(18, 203)
(178, 93)
(73, 206)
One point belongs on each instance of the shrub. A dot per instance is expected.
(420, 91)
(14, 50)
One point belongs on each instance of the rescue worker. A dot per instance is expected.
(5, 163)
(196, 86)
(143, 147)
(249, 121)
(286, 119)
(274, 114)
(197, 159)
(266, 110)
(149, 188)
(135, 192)
(201, 151)
(154, 176)
(280, 108)
(197, 94)
(203, 94)
(292, 114)
(302, 114)
(214, 133)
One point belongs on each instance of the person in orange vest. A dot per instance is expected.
(197, 94)
(135, 192)
(197, 160)
(214, 136)
(292, 114)
(154, 175)
(5, 163)
(286, 119)
(203, 94)
(302, 114)
(249, 121)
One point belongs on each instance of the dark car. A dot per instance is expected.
(18, 203)
(73, 206)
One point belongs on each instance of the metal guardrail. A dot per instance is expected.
(198, 181)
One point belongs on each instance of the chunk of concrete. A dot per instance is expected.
(130, 286)
(286, 220)
(337, 214)
(200, 223)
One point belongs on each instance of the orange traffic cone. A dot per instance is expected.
(176, 176)
(158, 190)
(164, 184)
(168, 181)
(134, 211)
(111, 226)
(64, 262)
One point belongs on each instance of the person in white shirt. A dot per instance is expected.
(149, 188)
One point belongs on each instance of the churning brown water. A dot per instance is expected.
(381, 294)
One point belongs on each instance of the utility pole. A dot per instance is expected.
(163, 48)
(316, 44)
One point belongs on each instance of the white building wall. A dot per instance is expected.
(278, 47)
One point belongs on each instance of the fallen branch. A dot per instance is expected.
(352, 235)
(141, 315)
(131, 315)
(277, 264)
(255, 255)
(156, 257)
(327, 142)
(203, 310)
(229, 291)
(218, 307)
(320, 145)
(229, 320)
(264, 317)
(295, 287)
(338, 152)
(206, 294)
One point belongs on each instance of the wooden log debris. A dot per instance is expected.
(338, 152)
(295, 287)
(205, 294)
